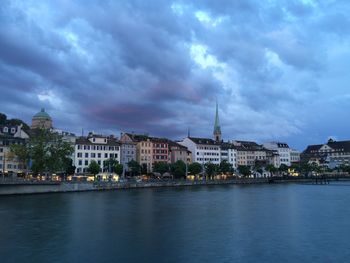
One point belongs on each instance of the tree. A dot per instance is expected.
(211, 169)
(20, 152)
(3, 119)
(70, 168)
(161, 167)
(283, 168)
(244, 170)
(134, 167)
(195, 168)
(144, 169)
(225, 167)
(94, 167)
(46, 151)
(271, 168)
(118, 169)
(109, 165)
(178, 169)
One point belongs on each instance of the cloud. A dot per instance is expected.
(159, 66)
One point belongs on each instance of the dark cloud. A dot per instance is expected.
(131, 65)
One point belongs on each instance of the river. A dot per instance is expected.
(232, 223)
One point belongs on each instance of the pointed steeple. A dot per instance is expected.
(217, 129)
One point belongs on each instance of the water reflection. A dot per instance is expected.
(255, 223)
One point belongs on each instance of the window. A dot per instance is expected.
(1, 150)
(86, 155)
(93, 155)
(99, 155)
(80, 155)
(80, 162)
(86, 162)
(106, 155)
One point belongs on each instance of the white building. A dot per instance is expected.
(95, 147)
(283, 151)
(203, 150)
(294, 156)
(228, 153)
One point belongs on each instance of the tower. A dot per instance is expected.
(41, 120)
(217, 129)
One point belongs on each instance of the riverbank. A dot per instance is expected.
(30, 187)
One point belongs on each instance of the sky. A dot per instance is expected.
(278, 69)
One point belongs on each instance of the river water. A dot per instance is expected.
(237, 223)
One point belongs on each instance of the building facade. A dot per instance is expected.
(282, 149)
(331, 154)
(11, 166)
(128, 150)
(178, 152)
(203, 150)
(95, 148)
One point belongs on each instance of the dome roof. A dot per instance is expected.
(42, 115)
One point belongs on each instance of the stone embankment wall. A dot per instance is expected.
(50, 187)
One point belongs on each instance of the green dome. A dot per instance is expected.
(42, 115)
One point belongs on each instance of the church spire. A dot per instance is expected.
(217, 129)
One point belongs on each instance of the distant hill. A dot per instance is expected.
(13, 122)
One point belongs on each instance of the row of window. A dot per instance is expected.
(210, 153)
(208, 159)
(12, 166)
(161, 157)
(98, 147)
(208, 148)
(13, 130)
(160, 145)
(98, 155)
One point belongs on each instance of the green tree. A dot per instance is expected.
(283, 168)
(161, 167)
(225, 167)
(271, 169)
(144, 169)
(134, 167)
(244, 170)
(94, 167)
(211, 169)
(47, 152)
(109, 165)
(195, 168)
(70, 168)
(3, 119)
(20, 152)
(178, 169)
(118, 168)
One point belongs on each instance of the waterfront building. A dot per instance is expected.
(252, 154)
(282, 149)
(95, 147)
(10, 165)
(160, 147)
(144, 149)
(294, 156)
(178, 152)
(331, 154)
(128, 150)
(41, 120)
(203, 150)
(228, 153)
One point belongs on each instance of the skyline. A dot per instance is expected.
(278, 70)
